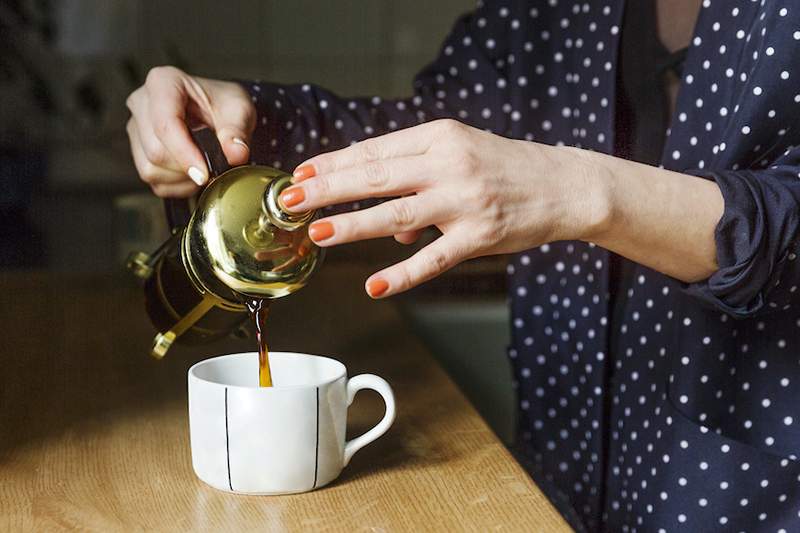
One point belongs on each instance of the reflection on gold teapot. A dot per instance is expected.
(237, 243)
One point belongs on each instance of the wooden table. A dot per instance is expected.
(94, 433)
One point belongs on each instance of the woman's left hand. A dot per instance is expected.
(485, 193)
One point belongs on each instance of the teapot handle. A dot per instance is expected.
(178, 210)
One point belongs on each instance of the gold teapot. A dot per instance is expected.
(235, 244)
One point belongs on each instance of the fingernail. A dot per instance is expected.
(377, 287)
(292, 196)
(319, 231)
(303, 173)
(197, 175)
(240, 142)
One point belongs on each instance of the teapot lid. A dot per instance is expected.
(240, 243)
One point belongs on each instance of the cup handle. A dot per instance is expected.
(379, 385)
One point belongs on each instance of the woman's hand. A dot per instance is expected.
(163, 151)
(485, 193)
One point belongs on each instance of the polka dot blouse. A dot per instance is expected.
(677, 409)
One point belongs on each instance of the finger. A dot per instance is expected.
(234, 122)
(167, 115)
(375, 179)
(437, 257)
(150, 173)
(401, 215)
(408, 237)
(402, 143)
(154, 150)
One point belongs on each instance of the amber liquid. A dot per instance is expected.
(259, 310)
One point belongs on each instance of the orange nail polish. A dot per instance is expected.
(303, 173)
(319, 231)
(377, 287)
(292, 196)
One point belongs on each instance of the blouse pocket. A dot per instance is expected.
(746, 392)
(716, 483)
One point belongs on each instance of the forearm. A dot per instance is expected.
(659, 218)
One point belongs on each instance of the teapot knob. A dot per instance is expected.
(276, 214)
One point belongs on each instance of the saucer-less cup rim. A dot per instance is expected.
(195, 371)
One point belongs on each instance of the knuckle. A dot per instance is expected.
(375, 175)
(448, 126)
(240, 101)
(466, 162)
(406, 278)
(369, 150)
(235, 103)
(437, 261)
(451, 131)
(161, 72)
(402, 214)
(149, 173)
(321, 187)
(244, 110)
(156, 153)
(132, 99)
(158, 189)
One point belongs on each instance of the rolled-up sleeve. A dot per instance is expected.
(757, 239)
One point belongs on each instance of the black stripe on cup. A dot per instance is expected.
(316, 453)
(227, 440)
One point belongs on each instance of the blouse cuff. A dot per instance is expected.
(750, 241)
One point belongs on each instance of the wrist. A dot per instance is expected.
(590, 194)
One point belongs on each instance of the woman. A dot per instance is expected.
(656, 327)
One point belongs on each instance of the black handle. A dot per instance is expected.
(207, 141)
(177, 209)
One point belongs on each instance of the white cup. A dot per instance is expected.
(275, 440)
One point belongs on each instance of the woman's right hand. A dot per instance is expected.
(163, 109)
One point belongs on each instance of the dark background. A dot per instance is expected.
(66, 68)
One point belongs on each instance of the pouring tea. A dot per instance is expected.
(228, 255)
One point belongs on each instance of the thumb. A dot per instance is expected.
(234, 121)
